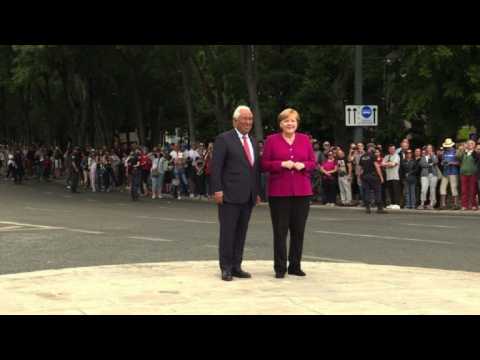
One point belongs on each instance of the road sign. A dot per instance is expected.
(361, 115)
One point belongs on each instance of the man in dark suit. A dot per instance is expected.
(235, 182)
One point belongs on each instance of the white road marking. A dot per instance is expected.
(385, 237)
(331, 259)
(10, 228)
(333, 219)
(29, 229)
(149, 239)
(85, 231)
(432, 226)
(31, 225)
(51, 210)
(176, 220)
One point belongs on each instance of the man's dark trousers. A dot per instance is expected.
(371, 183)
(234, 219)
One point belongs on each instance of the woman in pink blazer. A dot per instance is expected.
(289, 159)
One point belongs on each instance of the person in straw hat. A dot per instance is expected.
(449, 175)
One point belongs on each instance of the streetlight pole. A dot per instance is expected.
(358, 130)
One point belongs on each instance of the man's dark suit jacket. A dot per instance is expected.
(231, 171)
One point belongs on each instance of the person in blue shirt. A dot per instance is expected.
(450, 174)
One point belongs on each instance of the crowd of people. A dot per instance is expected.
(411, 178)
(176, 170)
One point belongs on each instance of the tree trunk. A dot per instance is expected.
(156, 128)
(137, 103)
(187, 85)
(221, 113)
(249, 56)
(91, 113)
(27, 135)
(339, 92)
(3, 107)
(214, 93)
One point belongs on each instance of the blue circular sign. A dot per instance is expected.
(367, 112)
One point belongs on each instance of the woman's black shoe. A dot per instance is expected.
(296, 272)
(279, 275)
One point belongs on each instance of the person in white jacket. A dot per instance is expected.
(92, 166)
(159, 166)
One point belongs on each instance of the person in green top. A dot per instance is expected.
(468, 175)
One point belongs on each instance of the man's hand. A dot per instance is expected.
(299, 166)
(288, 164)
(219, 198)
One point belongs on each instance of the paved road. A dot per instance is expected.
(44, 227)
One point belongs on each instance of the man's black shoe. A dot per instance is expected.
(241, 274)
(279, 275)
(297, 272)
(227, 276)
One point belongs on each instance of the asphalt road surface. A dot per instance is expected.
(42, 226)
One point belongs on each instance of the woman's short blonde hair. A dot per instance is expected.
(285, 114)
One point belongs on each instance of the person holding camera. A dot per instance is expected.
(428, 178)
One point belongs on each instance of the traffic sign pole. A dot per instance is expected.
(358, 131)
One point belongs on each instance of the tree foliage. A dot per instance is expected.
(90, 94)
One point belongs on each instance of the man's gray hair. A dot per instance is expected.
(236, 113)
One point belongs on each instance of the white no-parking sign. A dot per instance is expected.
(361, 115)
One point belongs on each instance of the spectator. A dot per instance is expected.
(199, 178)
(477, 150)
(116, 167)
(263, 175)
(57, 163)
(410, 170)
(159, 167)
(372, 177)
(449, 174)
(403, 149)
(180, 177)
(47, 167)
(135, 173)
(391, 163)
(402, 152)
(11, 167)
(316, 177)
(208, 169)
(326, 150)
(75, 170)
(468, 169)
(108, 177)
(344, 178)
(379, 160)
(145, 166)
(428, 178)
(329, 170)
(355, 159)
(92, 165)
